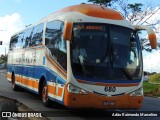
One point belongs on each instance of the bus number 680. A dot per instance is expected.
(109, 89)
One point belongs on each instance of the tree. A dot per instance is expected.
(132, 12)
(103, 2)
(137, 13)
(3, 59)
(136, 10)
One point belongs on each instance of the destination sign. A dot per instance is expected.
(91, 27)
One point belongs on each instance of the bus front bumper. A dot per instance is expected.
(92, 100)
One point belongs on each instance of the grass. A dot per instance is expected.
(151, 89)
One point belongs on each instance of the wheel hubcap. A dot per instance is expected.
(44, 94)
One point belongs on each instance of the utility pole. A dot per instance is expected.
(5, 52)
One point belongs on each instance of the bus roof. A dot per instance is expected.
(91, 10)
(94, 11)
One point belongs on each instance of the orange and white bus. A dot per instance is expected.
(83, 56)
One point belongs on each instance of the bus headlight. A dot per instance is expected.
(74, 89)
(138, 92)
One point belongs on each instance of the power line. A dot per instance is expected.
(151, 15)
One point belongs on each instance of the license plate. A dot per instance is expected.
(109, 103)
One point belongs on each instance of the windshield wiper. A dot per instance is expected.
(127, 74)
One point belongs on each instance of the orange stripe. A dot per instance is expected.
(52, 90)
(58, 70)
(33, 84)
(24, 81)
(18, 78)
(110, 84)
(60, 91)
(36, 84)
(27, 82)
(56, 64)
(94, 11)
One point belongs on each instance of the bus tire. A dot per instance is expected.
(14, 86)
(44, 95)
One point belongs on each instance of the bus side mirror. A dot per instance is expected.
(151, 35)
(0, 42)
(68, 26)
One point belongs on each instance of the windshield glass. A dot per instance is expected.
(105, 52)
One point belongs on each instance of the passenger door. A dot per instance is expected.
(57, 47)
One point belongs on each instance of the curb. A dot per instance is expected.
(21, 108)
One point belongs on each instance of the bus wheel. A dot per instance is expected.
(14, 86)
(45, 99)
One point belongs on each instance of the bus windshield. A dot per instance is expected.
(104, 51)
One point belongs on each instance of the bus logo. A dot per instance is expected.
(109, 89)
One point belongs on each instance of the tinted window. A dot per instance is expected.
(37, 34)
(62, 53)
(27, 38)
(13, 42)
(19, 42)
(55, 43)
(53, 36)
(105, 52)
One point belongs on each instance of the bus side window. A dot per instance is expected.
(27, 38)
(52, 37)
(14, 40)
(18, 45)
(62, 54)
(37, 35)
(55, 43)
(62, 50)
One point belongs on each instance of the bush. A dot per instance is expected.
(154, 78)
(150, 88)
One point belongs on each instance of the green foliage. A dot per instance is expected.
(152, 87)
(3, 59)
(149, 88)
(135, 8)
(102, 2)
(154, 78)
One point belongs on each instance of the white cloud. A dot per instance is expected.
(151, 61)
(9, 24)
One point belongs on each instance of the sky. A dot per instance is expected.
(16, 14)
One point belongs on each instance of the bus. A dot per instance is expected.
(82, 56)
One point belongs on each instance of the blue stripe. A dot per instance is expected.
(107, 81)
(56, 66)
(36, 72)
